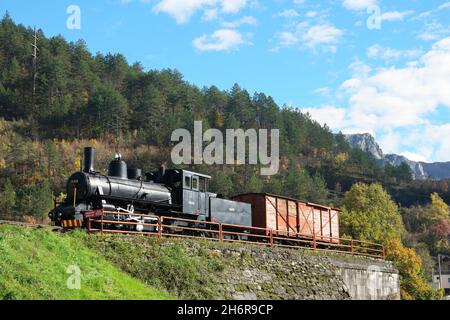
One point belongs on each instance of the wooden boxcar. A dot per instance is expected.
(293, 218)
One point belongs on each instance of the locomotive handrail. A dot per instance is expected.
(132, 214)
(274, 238)
(189, 220)
(131, 223)
(189, 228)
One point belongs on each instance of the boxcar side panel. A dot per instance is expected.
(317, 223)
(334, 217)
(292, 217)
(271, 213)
(282, 215)
(306, 220)
(326, 230)
(287, 216)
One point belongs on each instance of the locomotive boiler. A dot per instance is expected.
(124, 193)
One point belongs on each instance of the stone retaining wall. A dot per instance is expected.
(262, 273)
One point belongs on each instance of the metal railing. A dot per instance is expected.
(162, 226)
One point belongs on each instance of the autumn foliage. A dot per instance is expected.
(413, 286)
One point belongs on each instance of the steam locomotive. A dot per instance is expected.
(124, 193)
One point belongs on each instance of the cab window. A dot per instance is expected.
(202, 186)
(187, 182)
(194, 183)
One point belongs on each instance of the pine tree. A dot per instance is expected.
(7, 197)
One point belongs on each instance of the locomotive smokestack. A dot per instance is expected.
(89, 159)
(161, 174)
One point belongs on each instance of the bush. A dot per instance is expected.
(409, 264)
(369, 214)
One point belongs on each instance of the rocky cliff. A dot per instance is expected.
(366, 143)
(420, 170)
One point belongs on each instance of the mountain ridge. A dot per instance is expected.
(421, 170)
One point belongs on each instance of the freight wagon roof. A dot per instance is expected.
(288, 198)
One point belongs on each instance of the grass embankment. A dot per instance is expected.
(34, 264)
(185, 268)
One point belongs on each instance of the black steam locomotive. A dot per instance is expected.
(125, 193)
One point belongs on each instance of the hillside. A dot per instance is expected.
(34, 264)
(103, 100)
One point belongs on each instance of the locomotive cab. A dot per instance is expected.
(189, 189)
(195, 193)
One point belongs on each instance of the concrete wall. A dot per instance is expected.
(254, 272)
(369, 280)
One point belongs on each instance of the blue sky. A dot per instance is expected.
(374, 66)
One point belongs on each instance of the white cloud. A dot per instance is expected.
(433, 31)
(210, 14)
(358, 5)
(221, 40)
(233, 6)
(398, 104)
(444, 6)
(311, 14)
(248, 20)
(433, 145)
(183, 10)
(390, 142)
(395, 15)
(322, 91)
(380, 52)
(287, 39)
(398, 97)
(429, 13)
(325, 36)
(414, 156)
(321, 34)
(332, 116)
(289, 13)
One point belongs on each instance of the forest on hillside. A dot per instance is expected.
(80, 96)
(101, 100)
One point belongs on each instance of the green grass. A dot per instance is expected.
(183, 267)
(34, 265)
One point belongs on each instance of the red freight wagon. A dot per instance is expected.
(293, 218)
